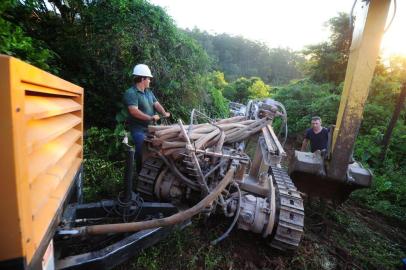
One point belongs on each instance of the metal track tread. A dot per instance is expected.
(289, 229)
(146, 178)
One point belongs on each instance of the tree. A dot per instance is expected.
(14, 41)
(218, 80)
(239, 57)
(304, 99)
(98, 43)
(284, 66)
(242, 89)
(258, 90)
(216, 106)
(328, 60)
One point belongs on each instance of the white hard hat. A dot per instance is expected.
(142, 70)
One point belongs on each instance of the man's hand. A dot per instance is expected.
(304, 145)
(155, 118)
(167, 114)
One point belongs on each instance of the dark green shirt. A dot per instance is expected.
(145, 103)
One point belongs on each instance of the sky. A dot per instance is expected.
(289, 23)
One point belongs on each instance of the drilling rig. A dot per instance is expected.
(185, 163)
(197, 168)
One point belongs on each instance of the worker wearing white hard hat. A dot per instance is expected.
(142, 107)
(142, 71)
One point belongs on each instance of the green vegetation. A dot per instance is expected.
(186, 249)
(104, 161)
(373, 245)
(348, 238)
(238, 57)
(328, 60)
(16, 42)
(304, 99)
(96, 43)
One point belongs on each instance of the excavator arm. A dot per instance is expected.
(364, 51)
(333, 176)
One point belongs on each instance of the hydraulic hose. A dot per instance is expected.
(236, 216)
(162, 222)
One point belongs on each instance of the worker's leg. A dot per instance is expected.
(138, 136)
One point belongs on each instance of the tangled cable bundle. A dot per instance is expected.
(171, 139)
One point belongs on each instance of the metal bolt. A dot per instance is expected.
(247, 217)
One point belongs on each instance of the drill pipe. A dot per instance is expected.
(162, 222)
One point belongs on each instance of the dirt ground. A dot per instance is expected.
(349, 237)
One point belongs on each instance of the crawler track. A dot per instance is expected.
(290, 212)
(289, 215)
(146, 178)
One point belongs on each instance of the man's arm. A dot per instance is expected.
(304, 145)
(161, 109)
(135, 112)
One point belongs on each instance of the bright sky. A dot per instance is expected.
(288, 23)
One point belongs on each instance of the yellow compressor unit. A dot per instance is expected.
(41, 146)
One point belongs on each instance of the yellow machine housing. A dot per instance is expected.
(41, 153)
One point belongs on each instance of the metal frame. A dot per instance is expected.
(128, 246)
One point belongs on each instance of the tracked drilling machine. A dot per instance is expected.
(188, 162)
(199, 168)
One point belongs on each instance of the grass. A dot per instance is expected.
(373, 244)
(349, 237)
(181, 250)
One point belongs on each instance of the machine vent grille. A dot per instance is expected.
(54, 150)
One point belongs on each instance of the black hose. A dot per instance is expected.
(237, 214)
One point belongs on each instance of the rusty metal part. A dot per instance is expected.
(158, 183)
(279, 215)
(176, 171)
(154, 174)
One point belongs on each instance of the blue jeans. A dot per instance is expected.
(138, 136)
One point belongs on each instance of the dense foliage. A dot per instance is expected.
(305, 99)
(15, 41)
(104, 160)
(243, 89)
(238, 57)
(328, 60)
(99, 42)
